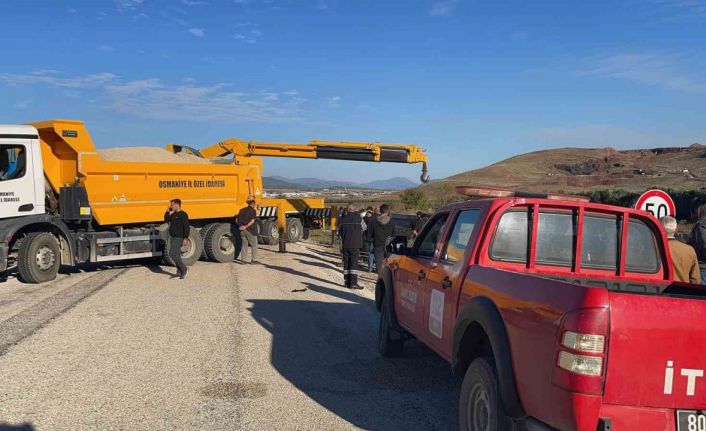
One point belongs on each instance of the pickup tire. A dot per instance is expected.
(480, 406)
(387, 345)
(219, 243)
(39, 257)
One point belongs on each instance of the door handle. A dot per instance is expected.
(421, 275)
(446, 283)
(25, 208)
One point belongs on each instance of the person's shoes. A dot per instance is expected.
(357, 287)
(183, 274)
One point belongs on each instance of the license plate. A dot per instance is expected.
(691, 420)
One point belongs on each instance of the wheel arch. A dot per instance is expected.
(480, 330)
(383, 289)
(11, 230)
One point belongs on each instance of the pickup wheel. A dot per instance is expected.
(387, 345)
(480, 407)
(39, 258)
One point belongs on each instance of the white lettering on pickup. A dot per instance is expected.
(690, 374)
(408, 299)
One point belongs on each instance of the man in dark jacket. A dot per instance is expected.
(368, 238)
(697, 239)
(418, 224)
(246, 221)
(382, 229)
(350, 229)
(178, 233)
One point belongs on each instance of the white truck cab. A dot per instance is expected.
(21, 174)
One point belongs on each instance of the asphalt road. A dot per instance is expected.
(276, 346)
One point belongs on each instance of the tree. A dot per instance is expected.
(414, 199)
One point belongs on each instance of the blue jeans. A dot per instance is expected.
(703, 275)
(371, 256)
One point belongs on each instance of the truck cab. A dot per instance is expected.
(552, 309)
(21, 175)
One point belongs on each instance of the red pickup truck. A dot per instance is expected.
(560, 314)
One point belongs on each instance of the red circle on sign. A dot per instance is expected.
(660, 195)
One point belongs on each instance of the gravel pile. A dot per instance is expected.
(147, 154)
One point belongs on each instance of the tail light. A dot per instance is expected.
(582, 347)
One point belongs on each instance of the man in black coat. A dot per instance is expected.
(350, 229)
(178, 233)
(697, 239)
(382, 229)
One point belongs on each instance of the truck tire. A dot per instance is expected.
(270, 232)
(39, 257)
(480, 406)
(193, 251)
(295, 229)
(204, 233)
(387, 345)
(219, 244)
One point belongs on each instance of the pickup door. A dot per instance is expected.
(444, 280)
(410, 281)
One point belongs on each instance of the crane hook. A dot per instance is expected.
(424, 178)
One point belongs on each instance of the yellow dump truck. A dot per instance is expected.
(62, 202)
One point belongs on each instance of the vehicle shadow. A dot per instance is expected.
(328, 351)
(299, 273)
(21, 427)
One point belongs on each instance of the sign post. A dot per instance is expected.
(658, 203)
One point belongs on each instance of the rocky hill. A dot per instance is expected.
(577, 170)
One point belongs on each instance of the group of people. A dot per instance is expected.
(689, 259)
(366, 230)
(179, 229)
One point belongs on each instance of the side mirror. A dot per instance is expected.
(398, 245)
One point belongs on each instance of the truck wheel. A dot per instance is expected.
(270, 232)
(204, 233)
(480, 407)
(194, 248)
(295, 229)
(219, 244)
(387, 345)
(39, 257)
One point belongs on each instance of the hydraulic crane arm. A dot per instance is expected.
(355, 151)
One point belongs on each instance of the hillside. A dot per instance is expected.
(575, 170)
(278, 182)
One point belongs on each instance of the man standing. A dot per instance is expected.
(697, 239)
(418, 224)
(351, 231)
(178, 233)
(686, 266)
(247, 217)
(368, 238)
(382, 229)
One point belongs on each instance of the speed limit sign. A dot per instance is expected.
(658, 203)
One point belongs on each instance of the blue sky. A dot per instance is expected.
(471, 81)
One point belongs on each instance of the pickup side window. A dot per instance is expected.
(461, 234)
(510, 241)
(642, 253)
(600, 243)
(555, 239)
(431, 236)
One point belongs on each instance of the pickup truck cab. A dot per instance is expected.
(560, 314)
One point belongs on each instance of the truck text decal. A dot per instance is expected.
(9, 197)
(183, 184)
